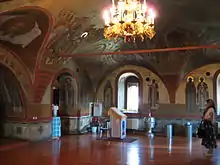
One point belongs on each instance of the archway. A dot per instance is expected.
(65, 96)
(128, 92)
(218, 94)
(12, 104)
(64, 93)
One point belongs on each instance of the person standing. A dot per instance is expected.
(209, 124)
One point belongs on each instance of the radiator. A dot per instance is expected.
(134, 124)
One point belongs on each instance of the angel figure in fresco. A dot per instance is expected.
(153, 95)
(202, 94)
(190, 94)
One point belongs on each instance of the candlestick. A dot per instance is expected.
(133, 15)
(121, 15)
(152, 20)
(113, 3)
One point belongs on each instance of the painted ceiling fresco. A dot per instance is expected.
(23, 31)
(78, 29)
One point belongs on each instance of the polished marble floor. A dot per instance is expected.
(86, 150)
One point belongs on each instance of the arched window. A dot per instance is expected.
(129, 93)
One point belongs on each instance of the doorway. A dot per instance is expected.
(56, 98)
(64, 89)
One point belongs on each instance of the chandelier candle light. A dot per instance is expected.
(129, 19)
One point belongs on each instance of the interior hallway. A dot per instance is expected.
(86, 150)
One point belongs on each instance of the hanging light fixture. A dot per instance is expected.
(129, 19)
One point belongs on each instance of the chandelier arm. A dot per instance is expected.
(129, 52)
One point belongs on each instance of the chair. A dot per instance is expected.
(105, 128)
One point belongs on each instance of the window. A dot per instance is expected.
(128, 93)
(132, 97)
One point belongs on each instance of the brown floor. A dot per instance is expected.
(85, 150)
(6, 144)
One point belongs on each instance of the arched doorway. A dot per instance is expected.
(128, 92)
(218, 93)
(65, 95)
(12, 104)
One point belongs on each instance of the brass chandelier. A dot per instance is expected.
(129, 19)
